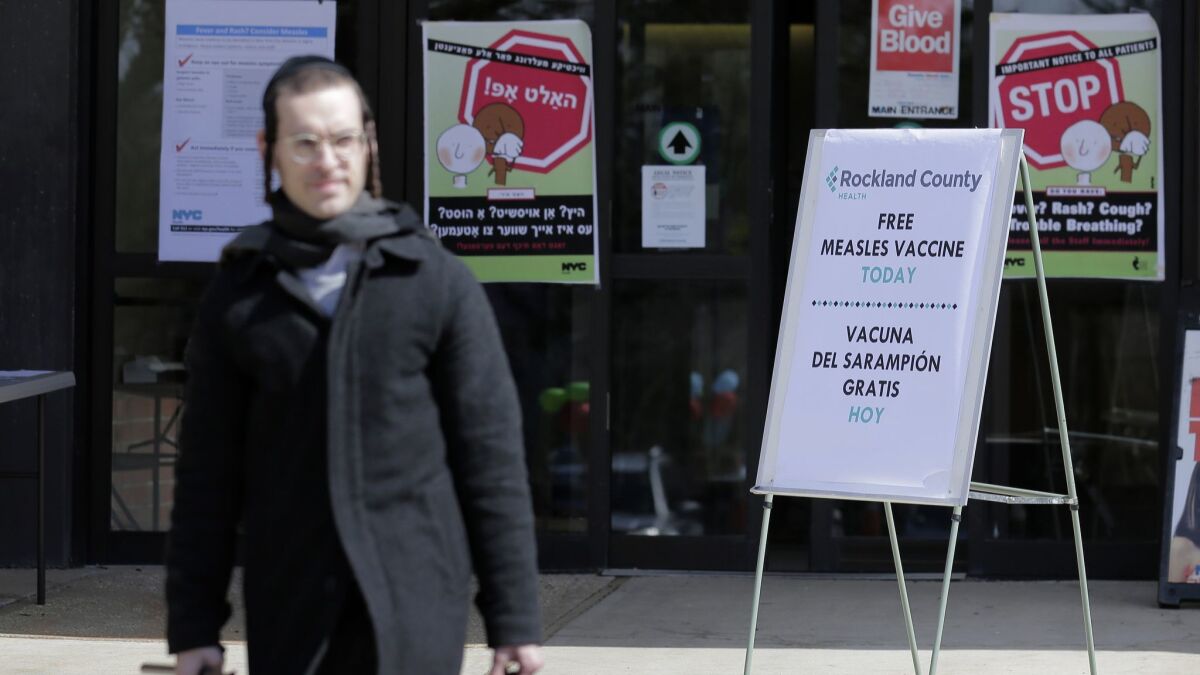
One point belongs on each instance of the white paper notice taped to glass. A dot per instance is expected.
(888, 315)
(673, 206)
(217, 58)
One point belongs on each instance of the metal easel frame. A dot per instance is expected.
(980, 491)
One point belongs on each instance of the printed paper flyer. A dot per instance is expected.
(1087, 92)
(1183, 565)
(914, 58)
(509, 163)
(673, 206)
(218, 57)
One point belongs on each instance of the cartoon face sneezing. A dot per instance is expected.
(1086, 146)
(461, 150)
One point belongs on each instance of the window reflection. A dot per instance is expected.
(151, 321)
(682, 63)
(678, 432)
(139, 119)
(549, 348)
(1107, 340)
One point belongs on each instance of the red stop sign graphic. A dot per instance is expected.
(1046, 101)
(554, 107)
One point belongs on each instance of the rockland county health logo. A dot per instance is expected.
(929, 179)
(831, 179)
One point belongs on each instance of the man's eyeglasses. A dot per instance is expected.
(306, 148)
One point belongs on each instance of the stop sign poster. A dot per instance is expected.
(914, 58)
(1086, 90)
(509, 164)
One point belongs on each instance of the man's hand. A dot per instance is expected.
(517, 660)
(200, 661)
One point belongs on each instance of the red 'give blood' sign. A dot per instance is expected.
(915, 36)
(537, 87)
(1044, 87)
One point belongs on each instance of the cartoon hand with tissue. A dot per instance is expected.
(503, 129)
(508, 147)
(1129, 127)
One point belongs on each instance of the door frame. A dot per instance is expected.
(766, 203)
(104, 545)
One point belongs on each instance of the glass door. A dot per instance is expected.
(143, 309)
(686, 324)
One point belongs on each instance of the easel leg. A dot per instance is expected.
(908, 624)
(758, 575)
(1060, 408)
(1083, 590)
(955, 518)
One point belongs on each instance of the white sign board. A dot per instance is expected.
(888, 315)
(217, 58)
(914, 58)
(673, 206)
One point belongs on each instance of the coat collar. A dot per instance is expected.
(404, 246)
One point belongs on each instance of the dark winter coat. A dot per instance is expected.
(381, 447)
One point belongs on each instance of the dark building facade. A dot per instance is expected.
(644, 397)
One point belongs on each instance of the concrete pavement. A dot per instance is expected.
(109, 620)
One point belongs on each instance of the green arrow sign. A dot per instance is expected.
(679, 143)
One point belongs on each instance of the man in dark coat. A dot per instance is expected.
(350, 411)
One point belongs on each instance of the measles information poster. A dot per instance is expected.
(888, 314)
(1087, 91)
(914, 58)
(510, 169)
(217, 58)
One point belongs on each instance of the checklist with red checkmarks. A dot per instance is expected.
(217, 58)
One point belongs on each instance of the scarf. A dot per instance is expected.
(303, 241)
